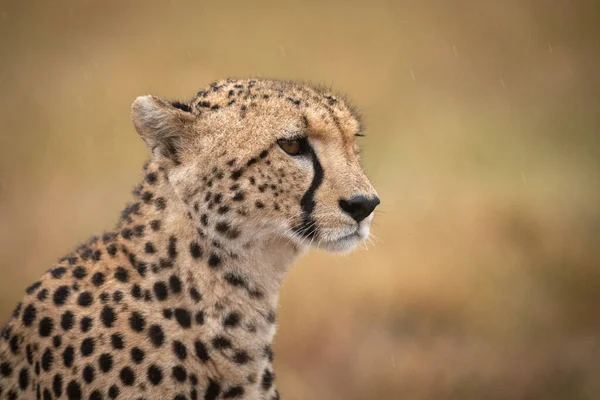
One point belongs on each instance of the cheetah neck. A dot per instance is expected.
(159, 236)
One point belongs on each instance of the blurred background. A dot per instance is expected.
(483, 138)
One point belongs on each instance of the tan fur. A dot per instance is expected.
(218, 212)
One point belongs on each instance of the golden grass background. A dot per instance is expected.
(483, 123)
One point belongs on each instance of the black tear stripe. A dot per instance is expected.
(307, 228)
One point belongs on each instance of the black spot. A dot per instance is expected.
(259, 204)
(108, 236)
(46, 327)
(117, 296)
(29, 353)
(264, 153)
(179, 349)
(89, 373)
(58, 272)
(221, 342)
(151, 178)
(33, 287)
(183, 317)
(160, 290)
(104, 296)
(175, 284)
(214, 261)
(85, 324)
(68, 356)
(195, 250)
(222, 227)
(212, 390)
(96, 395)
(156, 334)
(137, 322)
(239, 196)
(241, 357)
(85, 299)
(105, 362)
(235, 280)
(98, 278)
(168, 313)
(121, 274)
(195, 295)
(113, 392)
(141, 268)
(57, 341)
(147, 197)
(149, 248)
(87, 346)
(17, 309)
(5, 369)
(172, 247)
(112, 249)
(138, 230)
(223, 210)
(24, 378)
(204, 219)
(67, 320)
(116, 340)
(232, 320)
(127, 376)
(79, 272)
(160, 203)
(74, 391)
(47, 359)
(29, 314)
(136, 291)
(61, 295)
(235, 175)
(155, 225)
(14, 341)
(233, 392)
(199, 318)
(268, 353)
(201, 350)
(57, 385)
(267, 380)
(137, 355)
(14, 344)
(108, 316)
(154, 375)
(127, 233)
(179, 373)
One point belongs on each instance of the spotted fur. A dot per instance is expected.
(179, 301)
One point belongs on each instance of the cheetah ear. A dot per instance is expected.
(162, 125)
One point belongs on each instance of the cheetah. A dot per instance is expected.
(179, 300)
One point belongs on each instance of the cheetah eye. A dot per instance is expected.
(293, 147)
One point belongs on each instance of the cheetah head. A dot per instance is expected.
(261, 158)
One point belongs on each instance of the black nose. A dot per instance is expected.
(359, 207)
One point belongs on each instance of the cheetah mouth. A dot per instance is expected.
(344, 243)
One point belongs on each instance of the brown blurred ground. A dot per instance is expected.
(483, 140)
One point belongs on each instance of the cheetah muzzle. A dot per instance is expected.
(179, 301)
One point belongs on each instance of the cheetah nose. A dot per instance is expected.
(359, 207)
